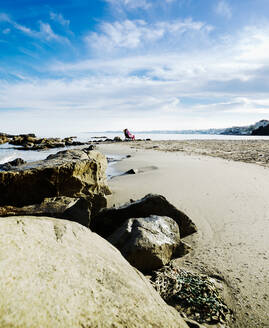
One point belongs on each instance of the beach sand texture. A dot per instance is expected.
(227, 200)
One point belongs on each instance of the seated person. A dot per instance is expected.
(128, 134)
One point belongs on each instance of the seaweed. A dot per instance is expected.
(195, 296)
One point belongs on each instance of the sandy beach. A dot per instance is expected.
(226, 198)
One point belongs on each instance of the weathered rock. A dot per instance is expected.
(72, 173)
(117, 139)
(16, 162)
(22, 139)
(91, 147)
(147, 243)
(56, 273)
(261, 131)
(131, 171)
(31, 142)
(108, 220)
(74, 209)
(182, 250)
(3, 139)
(193, 324)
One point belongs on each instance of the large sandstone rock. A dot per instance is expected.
(108, 220)
(74, 209)
(56, 273)
(72, 173)
(147, 243)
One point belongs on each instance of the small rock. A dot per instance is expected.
(117, 139)
(131, 171)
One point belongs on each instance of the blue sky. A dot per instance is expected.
(75, 65)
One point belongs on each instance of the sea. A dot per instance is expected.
(9, 152)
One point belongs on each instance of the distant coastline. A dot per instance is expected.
(259, 128)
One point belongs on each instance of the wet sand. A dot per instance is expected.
(227, 200)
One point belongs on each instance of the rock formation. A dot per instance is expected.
(31, 142)
(261, 131)
(56, 273)
(3, 139)
(108, 220)
(71, 173)
(74, 209)
(147, 243)
(9, 165)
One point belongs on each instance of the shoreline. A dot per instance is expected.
(228, 203)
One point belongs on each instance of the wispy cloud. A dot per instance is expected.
(45, 31)
(133, 34)
(130, 4)
(59, 19)
(224, 9)
(48, 34)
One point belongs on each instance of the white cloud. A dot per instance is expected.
(223, 9)
(229, 77)
(45, 32)
(130, 4)
(59, 19)
(135, 33)
(101, 103)
(24, 29)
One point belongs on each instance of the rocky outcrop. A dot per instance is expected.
(117, 139)
(147, 243)
(74, 209)
(9, 165)
(108, 220)
(261, 131)
(245, 130)
(59, 274)
(3, 139)
(71, 173)
(31, 142)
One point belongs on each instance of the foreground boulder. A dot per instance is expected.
(56, 273)
(74, 209)
(71, 173)
(108, 220)
(147, 243)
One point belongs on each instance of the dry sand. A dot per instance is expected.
(227, 200)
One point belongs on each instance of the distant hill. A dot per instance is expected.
(245, 130)
(261, 131)
(260, 127)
